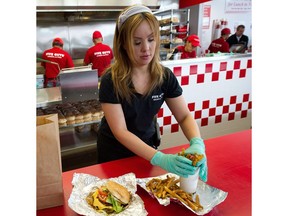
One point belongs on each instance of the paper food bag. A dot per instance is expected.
(49, 167)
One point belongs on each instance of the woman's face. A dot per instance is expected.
(144, 44)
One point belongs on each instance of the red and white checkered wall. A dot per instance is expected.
(216, 92)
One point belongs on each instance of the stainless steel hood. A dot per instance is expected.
(90, 5)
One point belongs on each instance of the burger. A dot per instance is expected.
(109, 198)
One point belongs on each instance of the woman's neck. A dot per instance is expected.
(141, 80)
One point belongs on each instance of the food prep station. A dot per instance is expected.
(218, 113)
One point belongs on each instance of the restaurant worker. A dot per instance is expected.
(220, 44)
(133, 90)
(59, 59)
(239, 38)
(188, 50)
(100, 55)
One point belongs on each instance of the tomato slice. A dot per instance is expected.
(103, 195)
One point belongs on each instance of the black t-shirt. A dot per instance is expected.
(140, 113)
(233, 40)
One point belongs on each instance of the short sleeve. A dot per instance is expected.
(106, 90)
(70, 63)
(172, 87)
(86, 57)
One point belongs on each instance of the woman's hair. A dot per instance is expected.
(121, 69)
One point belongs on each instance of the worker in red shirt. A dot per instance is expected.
(220, 44)
(100, 55)
(54, 60)
(188, 50)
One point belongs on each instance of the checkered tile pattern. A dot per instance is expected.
(215, 92)
(211, 113)
(212, 72)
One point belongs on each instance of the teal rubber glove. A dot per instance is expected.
(197, 146)
(178, 165)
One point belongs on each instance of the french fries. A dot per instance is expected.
(193, 157)
(168, 188)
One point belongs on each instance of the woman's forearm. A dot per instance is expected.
(136, 145)
(189, 127)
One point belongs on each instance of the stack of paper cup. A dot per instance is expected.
(189, 184)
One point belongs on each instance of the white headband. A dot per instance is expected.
(130, 12)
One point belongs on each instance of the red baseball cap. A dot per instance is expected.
(194, 40)
(97, 34)
(225, 31)
(58, 40)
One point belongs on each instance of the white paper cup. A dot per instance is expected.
(189, 184)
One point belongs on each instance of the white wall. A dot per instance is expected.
(218, 93)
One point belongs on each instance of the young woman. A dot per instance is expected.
(133, 90)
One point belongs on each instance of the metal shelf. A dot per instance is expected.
(73, 142)
(80, 124)
(78, 149)
(172, 18)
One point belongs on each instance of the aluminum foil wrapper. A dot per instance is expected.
(83, 184)
(209, 196)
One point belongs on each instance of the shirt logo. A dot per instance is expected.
(102, 53)
(216, 45)
(157, 97)
(54, 55)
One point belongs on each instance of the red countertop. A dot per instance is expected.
(229, 169)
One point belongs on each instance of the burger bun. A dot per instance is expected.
(118, 191)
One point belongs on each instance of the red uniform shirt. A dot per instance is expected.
(59, 56)
(219, 45)
(100, 56)
(185, 54)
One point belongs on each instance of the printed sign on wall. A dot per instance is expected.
(206, 16)
(238, 6)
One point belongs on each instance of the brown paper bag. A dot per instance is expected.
(49, 167)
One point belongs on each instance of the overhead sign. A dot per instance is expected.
(238, 6)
